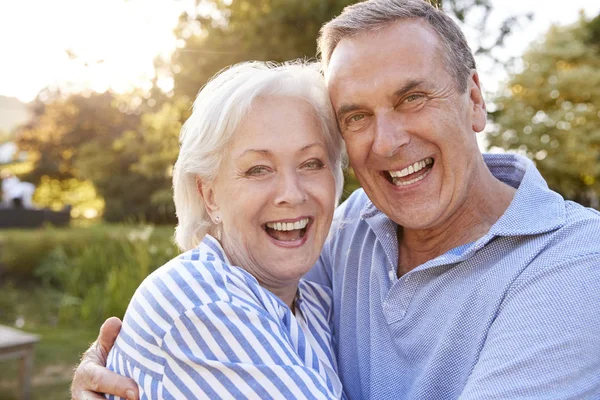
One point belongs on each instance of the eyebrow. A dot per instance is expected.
(308, 146)
(267, 152)
(407, 87)
(347, 108)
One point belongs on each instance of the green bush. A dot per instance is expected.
(95, 270)
(29, 305)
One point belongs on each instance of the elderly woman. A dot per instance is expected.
(255, 185)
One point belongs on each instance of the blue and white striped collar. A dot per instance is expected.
(214, 247)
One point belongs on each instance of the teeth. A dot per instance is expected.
(411, 181)
(411, 169)
(288, 226)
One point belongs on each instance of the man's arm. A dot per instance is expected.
(544, 343)
(93, 378)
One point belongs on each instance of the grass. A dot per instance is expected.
(62, 283)
(58, 350)
(56, 355)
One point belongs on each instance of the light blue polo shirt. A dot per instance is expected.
(514, 315)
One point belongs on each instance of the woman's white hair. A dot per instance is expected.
(218, 111)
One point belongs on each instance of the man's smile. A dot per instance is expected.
(411, 174)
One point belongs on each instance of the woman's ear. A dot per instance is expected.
(206, 191)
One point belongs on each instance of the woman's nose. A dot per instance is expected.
(290, 190)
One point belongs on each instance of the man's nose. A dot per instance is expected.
(390, 135)
(290, 190)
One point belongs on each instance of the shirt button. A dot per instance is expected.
(392, 275)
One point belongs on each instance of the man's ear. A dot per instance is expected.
(206, 191)
(478, 111)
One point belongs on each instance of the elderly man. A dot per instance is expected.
(454, 274)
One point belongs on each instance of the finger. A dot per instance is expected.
(108, 334)
(87, 395)
(102, 380)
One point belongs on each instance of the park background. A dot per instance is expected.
(93, 94)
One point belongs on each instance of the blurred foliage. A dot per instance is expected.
(550, 110)
(80, 195)
(115, 152)
(5, 136)
(17, 168)
(88, 274)
(235, 31)
(100, 139)
(61, 126)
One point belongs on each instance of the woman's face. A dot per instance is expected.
(275, 192)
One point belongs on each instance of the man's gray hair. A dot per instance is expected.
(372, 15)
(219, 110)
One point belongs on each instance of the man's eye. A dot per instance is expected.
(413, 97)
(355, 121)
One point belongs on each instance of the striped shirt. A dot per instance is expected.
(513, 315)
(199, 327)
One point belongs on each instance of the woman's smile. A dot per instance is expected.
(289, 232)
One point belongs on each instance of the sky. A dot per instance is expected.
(115, 41)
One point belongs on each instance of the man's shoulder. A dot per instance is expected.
(349, 214)
(353, 206)
(581, 231)
(567, 248)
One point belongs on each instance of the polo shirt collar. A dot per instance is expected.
(534, 209)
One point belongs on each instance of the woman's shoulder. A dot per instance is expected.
(317, 295)
(195, 278)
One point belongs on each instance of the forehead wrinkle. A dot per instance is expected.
(308, 146)
(269, 153)
(259, 151)
(360, 92)
(409, 85)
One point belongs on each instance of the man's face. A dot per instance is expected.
(409, 132)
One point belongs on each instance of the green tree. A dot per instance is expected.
(98, 138)
(152, 150)
(550, 110)
(61, 124)
(240, 30)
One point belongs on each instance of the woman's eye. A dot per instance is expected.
(313, 164)
(257, 170)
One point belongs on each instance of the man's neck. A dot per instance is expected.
(485, 203)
